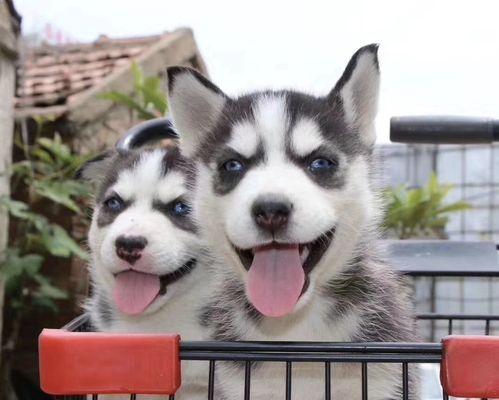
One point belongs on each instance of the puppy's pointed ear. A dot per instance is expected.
(195, 105)
(357, 91)
(95, 169)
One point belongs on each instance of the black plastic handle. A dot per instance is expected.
(444, 130)
(147, 131)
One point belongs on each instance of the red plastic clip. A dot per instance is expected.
(470, 366)
(94, 363)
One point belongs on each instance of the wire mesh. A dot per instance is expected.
(472, 169)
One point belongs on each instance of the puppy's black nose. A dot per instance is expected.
(129, 248)
(271, 214)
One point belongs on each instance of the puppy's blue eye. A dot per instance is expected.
(181, 209)
(114, 204)
(320, 165)
(233, 166)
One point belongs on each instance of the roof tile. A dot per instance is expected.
(50, 74)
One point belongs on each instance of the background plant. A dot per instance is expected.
(45, 191)
(148, 100)
(420, 212)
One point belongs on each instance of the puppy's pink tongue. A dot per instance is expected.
(276, 279)
(134, 291)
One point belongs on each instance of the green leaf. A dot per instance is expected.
(60, 244)
(76, 188)
(52, 292)
(16, 265)
(47, 293)
(53, 238)
(20, 210)
(21, 168)
(56, 147)
(42, 155)
(43, 119)
(438, 223)
(47, 172)
(123, 99)
(454, 207)
(154, 94)
(45, 302)
(14, 207)
(61, 192)
(138, 76)
(418, 211)
(149, 99)
(52, 243)
(17, 270)
(46, 289)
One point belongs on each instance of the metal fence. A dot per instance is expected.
(473, 170)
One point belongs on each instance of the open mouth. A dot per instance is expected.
(310, 253)
(174, 276)
(278, 273)
(135, 291)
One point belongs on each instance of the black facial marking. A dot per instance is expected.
(122, 161)
(225, 181)
(176, 275)
(234, 111)
(329, 119)
(341, 140)
(106, 215)
(332, 178)
(173, 160)
(328, 115)
(128, 160)
(184, 222)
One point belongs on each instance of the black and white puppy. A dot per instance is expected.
(285, 195)
(145, 247)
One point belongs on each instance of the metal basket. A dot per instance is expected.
(75, 362)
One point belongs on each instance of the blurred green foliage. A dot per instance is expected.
(148, 99)
(45, 180)
(420, 212)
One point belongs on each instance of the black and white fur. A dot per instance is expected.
(352, 294)
(149, 183)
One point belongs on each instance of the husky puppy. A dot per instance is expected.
(285, 192)
(144, 245)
